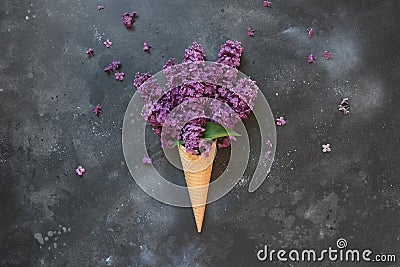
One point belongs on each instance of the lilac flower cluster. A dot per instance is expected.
(219, 103)
(230, 53)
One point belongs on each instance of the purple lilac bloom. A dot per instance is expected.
(311, 32)
(310, 58)
(250, 31)
(119, 76)
(146, 160)
(231, 103)
(230, 53)
(97, 110)
(267, 3)
(116, 65)
(128, 18)
(90, 52)
(109, 68)
(326, 54)
(107, 43)
(146, 46)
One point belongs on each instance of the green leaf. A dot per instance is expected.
(216, 130)
(177, 142)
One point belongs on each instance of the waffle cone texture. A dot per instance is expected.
(197, 170)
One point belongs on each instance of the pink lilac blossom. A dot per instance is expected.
(90, 52)
(326, 54)
(267, 154)
(146, 160)
(344, 106)
(80, 170)
(128, 19)
(97, 110)
(310, 58)
(146, 46)
(119, 76)
(281, 121)
(160, 103)
(250, 32)
(100, 7)
(267, 4)
(326, 148)
(107, 43)
(311, 32)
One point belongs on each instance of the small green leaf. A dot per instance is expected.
(216, 130)
(177, 142)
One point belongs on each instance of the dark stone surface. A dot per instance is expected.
(48, 87)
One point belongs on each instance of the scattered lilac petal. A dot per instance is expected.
(250, 32)
(80, 170)
(109, 68)
(97, 110)
(310, 58)
(267, 154)
(146, 46)
(107, 43)
(100, 7)
(326, 54)
(146, 160)
(128, 19)
(90, 52)
(344, 106)
(281, 121)
(326, 148)
(267, 3)
(119, 76)
(311, 32)
(116, 65)
(269, 143)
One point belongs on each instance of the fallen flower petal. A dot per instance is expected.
(326, 54)
(127, 18)
(146, 160)
(344, 106)
(267, 154)
(116, 65)
(269, 143)
(80, 170)
(250, 32)
(146, 46)
(100, 7)
(97, 110)
(109, 68)
(90, 52)
(119, 76)
(267, 3)
(310, 58)
(326, 148)
(311, 32)
(108, 43)
(281, 121)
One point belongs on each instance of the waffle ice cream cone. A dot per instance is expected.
(197, 170)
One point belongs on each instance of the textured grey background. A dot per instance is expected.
(48, 87)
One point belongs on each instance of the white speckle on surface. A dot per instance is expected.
(26, 17)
